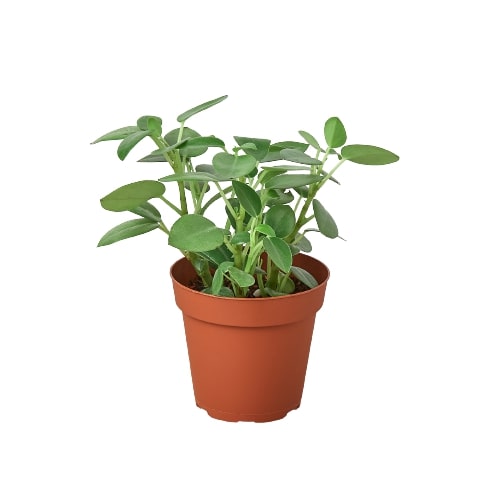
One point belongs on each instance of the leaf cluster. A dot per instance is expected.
(267, 191)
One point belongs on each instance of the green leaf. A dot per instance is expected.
(217, 256)
(223, 292)
(368, 155)
(335, 134)
(148, 211)
(275, 149)
(127, 230)
(261, 146)
(279, 252)
(299, 157)
(248, 198)
(304, 244)
(132, 195)
(279, 197)
(217, 282)
(207, 142)
(189, 176)
(231, 167)
(281, 218)
(278, 146)
(304, 276)
(241, 237)
(310, 139)
(195, 233)
(265, 229)
(117, 135)
(325, 221)
(287, 286)
(178, 145)
(284, 168)
(218, 279)
(201, 107)
(185, 150)
(302, 191)
(130, 142)
(286, 181)
(236, 206)
(151, 123)
(242, 278)
(173, 136)
(209, 169)
(155, 156)
(249, 145)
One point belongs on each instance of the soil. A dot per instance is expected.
(197, 284)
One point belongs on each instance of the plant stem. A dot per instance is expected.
(171, 205)
(163, 227)
(214, 199)
(222, 193)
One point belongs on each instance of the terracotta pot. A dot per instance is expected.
(248, 357)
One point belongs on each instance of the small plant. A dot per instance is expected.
(267, 190)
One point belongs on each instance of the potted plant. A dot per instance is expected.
(248, 290)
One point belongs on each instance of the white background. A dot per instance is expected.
(402, 393)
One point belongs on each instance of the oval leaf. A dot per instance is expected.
(127, 230)
(209, 169)
(325, 221)
(282, 219)
(303, 244)
(368, 155)
(201, 107)
(242, 278)
(189, 176)
(278, 146)
(265, 229)
(151, 123)
(239, 238)
(155, 156)
(299, 157)
(279, 252)
(187, 133)
(248, 198)
(118, 134)
(217, 281)
(208, 142)
(231, 167)
(132, 195)
(310, 139)
(335, 134)
(130, 142)
(195, 233)
(306, 277)
(286, 181)
(284, 168)
(147, 211)
(260, 149)
(287, 286)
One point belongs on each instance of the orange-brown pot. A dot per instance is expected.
(248, 357)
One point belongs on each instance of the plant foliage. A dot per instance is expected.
(267, 192)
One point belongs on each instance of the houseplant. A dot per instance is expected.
(248, 291)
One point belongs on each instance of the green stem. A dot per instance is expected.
(222, 193)
(163, 227)
(215, 198)
(171, 205)
(201, 195)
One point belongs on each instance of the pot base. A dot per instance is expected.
(248, 417)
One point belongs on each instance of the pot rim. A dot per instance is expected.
(245, 299)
